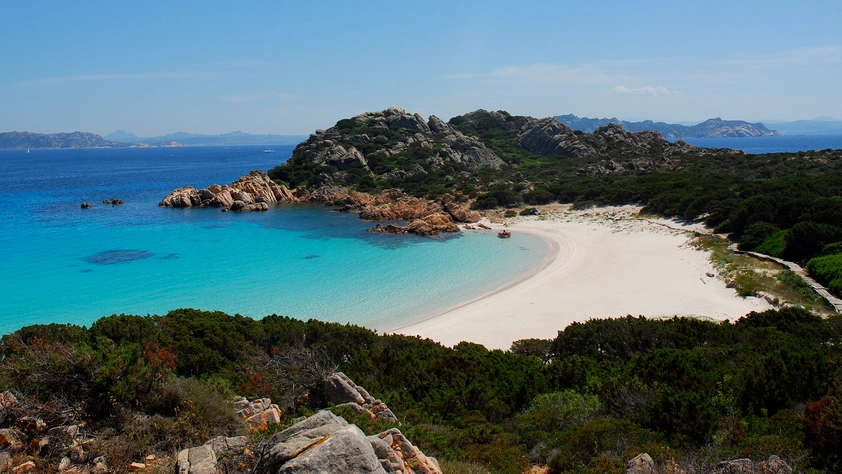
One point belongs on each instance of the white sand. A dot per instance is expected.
(610, 263)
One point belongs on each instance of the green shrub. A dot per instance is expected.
(530, 211)
(756, 234)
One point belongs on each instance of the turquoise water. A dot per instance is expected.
(70, 265)
(784, 143)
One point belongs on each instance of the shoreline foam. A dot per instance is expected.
(609, 263)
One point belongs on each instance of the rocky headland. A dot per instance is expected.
(412, 175)
(255, 192)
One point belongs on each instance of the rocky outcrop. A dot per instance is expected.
(325, 442)
(427, 218)
(253, 192)
(607, 149)
(259, 413)
(415, 145)
(774, 465)
(644, 464)
(343, 392)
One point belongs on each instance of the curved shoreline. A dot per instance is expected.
(549, 260)
(610, 263)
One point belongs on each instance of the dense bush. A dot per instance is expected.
(688, 390)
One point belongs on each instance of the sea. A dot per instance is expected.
(64, 264)
(779, 144)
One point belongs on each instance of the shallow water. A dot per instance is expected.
(71, 265)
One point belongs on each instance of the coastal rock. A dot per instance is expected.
(459, 212)
(253, 192)
(393, 205)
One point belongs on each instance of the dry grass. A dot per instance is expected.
(751, 276)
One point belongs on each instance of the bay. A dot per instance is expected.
(64, 264)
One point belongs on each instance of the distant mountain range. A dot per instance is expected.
(195, 139)
(26, 140)
(118, 139)
(711, 128)
(817, 126)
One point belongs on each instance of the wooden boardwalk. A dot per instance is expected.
(795, 268)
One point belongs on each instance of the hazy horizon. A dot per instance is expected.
(287, 69)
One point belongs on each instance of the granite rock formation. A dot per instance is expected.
(644, 464)
(368, 140)
(325, 442)
(343, 392)
(253, 192)
(259, 413)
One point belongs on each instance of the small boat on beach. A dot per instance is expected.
(504, 234)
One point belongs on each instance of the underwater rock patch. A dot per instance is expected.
(111, 257)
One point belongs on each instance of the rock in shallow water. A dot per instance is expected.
(111, 257)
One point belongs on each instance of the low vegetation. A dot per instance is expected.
(687, 391)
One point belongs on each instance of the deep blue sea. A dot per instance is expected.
(65, 264)
(784, 143)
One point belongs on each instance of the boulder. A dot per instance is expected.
(401, 451)
(222, 445)
(342, 391)
(774, 465)
(259, 413)
(198, 460)
(339, 389)
(11, 440)
(345, 451)
(642, 464)
(273, 452)
(28, 466)
(7, 400)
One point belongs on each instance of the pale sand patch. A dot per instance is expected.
(610, 263)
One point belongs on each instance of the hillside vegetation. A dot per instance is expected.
(686, 391)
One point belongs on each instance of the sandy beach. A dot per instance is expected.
(610, 262)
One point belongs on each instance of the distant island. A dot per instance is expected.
(711, 128)
(121, 139)
(26, 140)
(195, 139)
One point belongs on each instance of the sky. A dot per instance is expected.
(291, 67)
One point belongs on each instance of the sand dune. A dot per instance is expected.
(609, 263)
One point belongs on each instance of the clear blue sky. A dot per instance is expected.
(155, 67)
